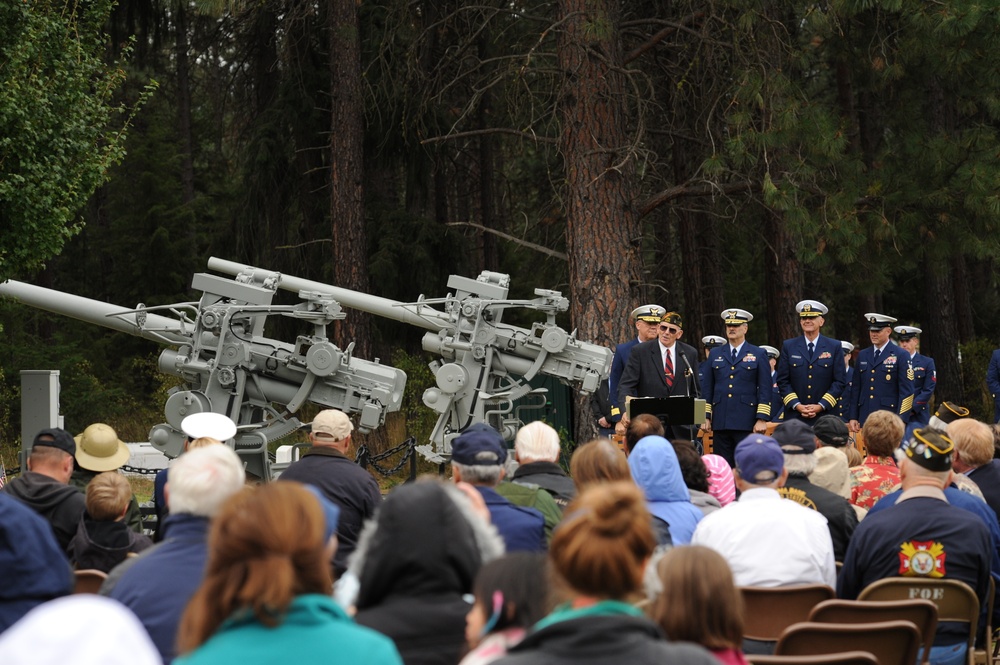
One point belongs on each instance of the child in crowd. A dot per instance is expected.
(510, 596)
(103, 539)
(700, 602)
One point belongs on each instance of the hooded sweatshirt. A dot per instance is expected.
(414, 563)
(102, 545)
(61, 504)
(655, 469)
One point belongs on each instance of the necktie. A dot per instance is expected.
(812, 349)
(734, 355)
(878, 352)
(668, 370)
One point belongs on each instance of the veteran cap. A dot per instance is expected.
(809, 308)
(878, 321)
(929, 448)
(647, 313)
(736, 317)
(770, 351)
(948, 412)
(907, 332)
(712, 341)
(673, 318)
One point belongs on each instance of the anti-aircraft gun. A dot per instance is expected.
(484, 364)
(227, 365)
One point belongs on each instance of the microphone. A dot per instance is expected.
(689, 373)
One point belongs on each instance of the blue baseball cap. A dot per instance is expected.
(479, 445)
(758, 454)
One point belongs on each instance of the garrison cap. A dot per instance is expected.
(736, 317)
(847, 346)
(673, 318)
(809, 308)
(770, 351)
(930, 448)
(949, 412)
(907, 332)
(647, 313)
(712, 341)
(878, 321)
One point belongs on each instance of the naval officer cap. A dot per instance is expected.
(878, 321)
(809, 308)
(847, 347)
(736, 317)
(770, 351)
(647, 313)
(907, 332)
(712, 341)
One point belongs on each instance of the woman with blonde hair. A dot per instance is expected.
(266, 596)
(700, 602)
(598, 554)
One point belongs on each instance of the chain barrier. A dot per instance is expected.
(366, 459)
(13, 471)
(140, 470)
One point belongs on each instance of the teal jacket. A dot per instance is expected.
(315, 630)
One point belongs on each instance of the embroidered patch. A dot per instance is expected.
(921, 559)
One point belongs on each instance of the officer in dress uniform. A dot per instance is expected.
(849, 374)
(924, 374)
(777, 410)
(811, 368)
(710, 342)
(645, 319)
(737, 387)
(882, 377)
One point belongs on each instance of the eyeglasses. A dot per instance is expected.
(669, 329)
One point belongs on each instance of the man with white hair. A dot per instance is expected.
(158, 584)
(536, 449)
(974, 457)
(922, 536)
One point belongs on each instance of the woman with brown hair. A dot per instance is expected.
(598, 461)
(266, 593)
(700, 602)
(598, 554)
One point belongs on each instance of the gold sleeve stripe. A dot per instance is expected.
(708, 409)
(615, 411)
(906, 405)
(790, 397)
(830, 399)
(764, 409)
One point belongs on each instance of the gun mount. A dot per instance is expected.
(228, 366)
(484, 364)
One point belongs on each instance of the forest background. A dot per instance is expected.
(700, 155)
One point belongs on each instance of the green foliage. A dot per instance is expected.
(975, 361)
(60, 129)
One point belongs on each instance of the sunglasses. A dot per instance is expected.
(669, 329)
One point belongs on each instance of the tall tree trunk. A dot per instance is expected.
(941, 331)
(184, 108)
(963, 303)
(347, 210)
(782, 279)
(601, 224)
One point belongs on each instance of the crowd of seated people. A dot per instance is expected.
(642, 561)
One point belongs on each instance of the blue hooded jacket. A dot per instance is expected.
(656, 471)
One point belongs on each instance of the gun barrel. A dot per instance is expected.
(156, 328)
(429, 318)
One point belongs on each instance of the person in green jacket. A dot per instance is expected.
(266, 593)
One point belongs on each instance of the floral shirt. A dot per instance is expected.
(876, 477)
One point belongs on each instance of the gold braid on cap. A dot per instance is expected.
(673, 318)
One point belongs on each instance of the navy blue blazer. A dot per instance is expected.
(924, 383)
(886, 385)
(622, 352)
(737, 394)
(817, 380)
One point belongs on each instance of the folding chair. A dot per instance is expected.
(955, 600)
(891, 642)
(89, 580)
(768, 611)
(845, 658)
(921, 613)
